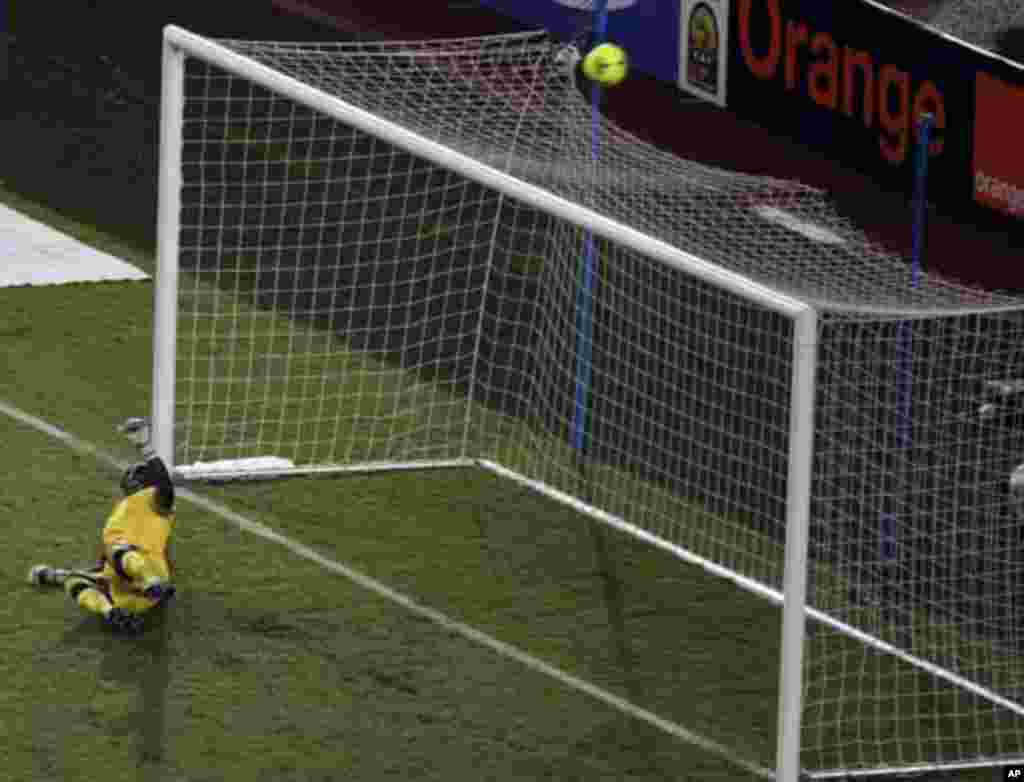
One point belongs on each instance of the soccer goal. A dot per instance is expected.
(412, 255)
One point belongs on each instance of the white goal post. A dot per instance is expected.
(369, 258)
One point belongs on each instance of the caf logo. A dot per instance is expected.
(703, 48)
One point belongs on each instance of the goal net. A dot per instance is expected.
(983, 23)
(420, 254)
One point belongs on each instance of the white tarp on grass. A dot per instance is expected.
(35, 254)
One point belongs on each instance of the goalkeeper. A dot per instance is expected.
(133, 574)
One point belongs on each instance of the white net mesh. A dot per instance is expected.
(507, 103)
(344, 302)
(983, 23)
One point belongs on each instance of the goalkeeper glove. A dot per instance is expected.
(123, 622)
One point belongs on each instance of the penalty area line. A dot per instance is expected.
(462, 629)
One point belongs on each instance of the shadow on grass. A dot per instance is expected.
(143, 664)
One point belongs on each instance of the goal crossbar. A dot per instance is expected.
(282, 84)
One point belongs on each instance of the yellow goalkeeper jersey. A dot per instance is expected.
(138, 520)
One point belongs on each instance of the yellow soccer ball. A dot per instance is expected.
(606, 64)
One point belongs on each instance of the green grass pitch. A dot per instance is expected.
(268, 663)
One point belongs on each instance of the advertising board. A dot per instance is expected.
(852, 80)
(998, 166)
(703, 64)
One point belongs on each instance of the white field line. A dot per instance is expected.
(371, 584)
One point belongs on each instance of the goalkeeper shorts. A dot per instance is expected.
(127, 594)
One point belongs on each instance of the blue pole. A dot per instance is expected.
(903, 334)
(585, 292)
(925, 126)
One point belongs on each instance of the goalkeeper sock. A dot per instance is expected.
(94, 601)
(84, 592)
